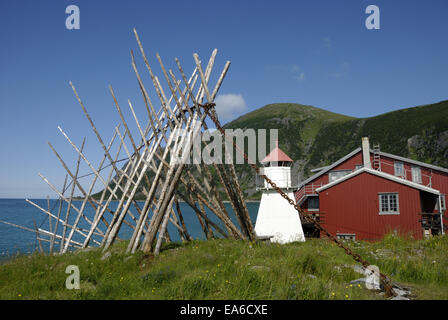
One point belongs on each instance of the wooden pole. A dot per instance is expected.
(69, 203)
(78, 230)
(59, 215)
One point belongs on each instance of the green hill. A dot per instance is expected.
(314, 137)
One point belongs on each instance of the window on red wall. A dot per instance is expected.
(337, 174)
(388, 203)
(399, 169)
(442, 203)
(313, 203)
(416, 174)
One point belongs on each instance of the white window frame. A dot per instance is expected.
(346, 236)
(441, 204)
(388, 211)
(348, 171)
(416, 173)
(397, 165)
(318, 202)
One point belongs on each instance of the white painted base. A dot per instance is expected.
(277, 218)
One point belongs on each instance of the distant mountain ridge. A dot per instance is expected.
(314, 137)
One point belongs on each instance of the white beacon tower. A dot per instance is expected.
(276, 218)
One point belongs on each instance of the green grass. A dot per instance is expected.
(226, 269)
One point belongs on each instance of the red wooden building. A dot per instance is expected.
(368, 193)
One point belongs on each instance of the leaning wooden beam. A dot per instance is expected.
(46, 233)
(193, 206)
(95, 130)
(199, 216)
(78, 217)
(111, 171)
(202, 76)
(139, 227)
(147, 99)
(114, 229)
(235, 232)
(181, 219)
(221, 172)
(39, 231)
(187, 83)
(49, 240)
(58, 216)
(136, 151)
(209, 233)
(95, 171)
(153, 77)
(134, 146)
(166, 105)
(158, 214)
(211, 197)
(211, 194)
(63, 197)
(41, 249)
(50, 227)
(123, 208)
(69, 203)
(175, 222)
(78, 230)
(86, 195)
(191, 187)
(244, 215)
(173, 91)
(103, 210)
(136, 236)
(170, 183)
(93, 126)
(163, 228)
(232, 168)
(210, 222)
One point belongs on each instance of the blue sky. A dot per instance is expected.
(311, 52)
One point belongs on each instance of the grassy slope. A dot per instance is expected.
(224, 269)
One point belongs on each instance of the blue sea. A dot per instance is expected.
(17, 211)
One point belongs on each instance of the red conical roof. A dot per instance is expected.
(277, 155)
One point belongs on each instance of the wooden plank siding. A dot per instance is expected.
(352, 206)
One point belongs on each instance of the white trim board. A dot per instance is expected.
(382, 175)
(418, 163)
(323, 170)
(328, 168)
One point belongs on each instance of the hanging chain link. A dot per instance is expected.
(208, 108)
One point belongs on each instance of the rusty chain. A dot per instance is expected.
(303, 216)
